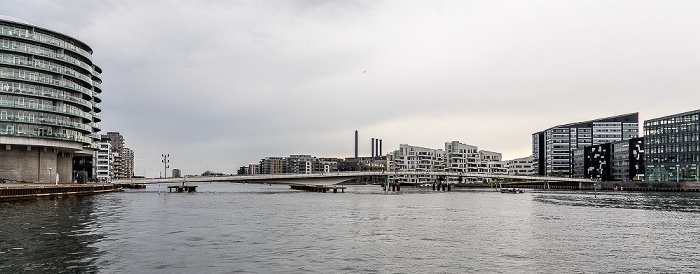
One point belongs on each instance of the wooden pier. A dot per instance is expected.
(318, 188)
(182, 188)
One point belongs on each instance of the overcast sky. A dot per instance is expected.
(219, 84)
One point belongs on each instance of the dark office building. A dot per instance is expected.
(672, 146)
(552, 149)
(618, 161)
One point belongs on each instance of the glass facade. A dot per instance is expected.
(672, 147)
(553, 148)
(49, 87)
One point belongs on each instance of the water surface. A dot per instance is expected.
(255, 228)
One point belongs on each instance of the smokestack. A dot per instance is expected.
(380, 148)
(372, 147)
(355, 144)
(376, 144)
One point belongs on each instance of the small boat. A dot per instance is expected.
(511, 190)
(136, 186)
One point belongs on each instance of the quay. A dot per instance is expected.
(182, 188)
(318, 188)
(11, 191)
(610, 185)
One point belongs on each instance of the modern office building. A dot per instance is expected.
(552, 148)
(617, 161)
(49, 102)
(672, 147)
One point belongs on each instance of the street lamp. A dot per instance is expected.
(165, 163)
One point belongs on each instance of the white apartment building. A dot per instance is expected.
(415, 158)
(461, 157)
(491, 162)
(520, 166)
(104, 162)
(457, 157)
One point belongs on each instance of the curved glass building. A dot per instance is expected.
(49, 102)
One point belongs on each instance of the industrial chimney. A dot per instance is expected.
(355, 144)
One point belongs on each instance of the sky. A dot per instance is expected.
(220, 84)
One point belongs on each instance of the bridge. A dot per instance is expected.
(338, 177)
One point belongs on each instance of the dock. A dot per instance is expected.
(11, 191)
(182, 188)
(318, 188)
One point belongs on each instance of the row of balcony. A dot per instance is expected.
(28, 62)
(47, 135)
(43, 38)
(45, 93)
(41, 51)
(55, 109)
(22, 75)
(45, 121)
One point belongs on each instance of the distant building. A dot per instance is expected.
(253, 169)
(127, 163)
(520, 166)
(273, 165)
(379, 163)
(552, 148)
(50, 95)
(672, 147)
(177, 173)
(123, 157)
(294, 164)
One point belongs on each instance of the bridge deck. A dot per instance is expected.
(340, 176)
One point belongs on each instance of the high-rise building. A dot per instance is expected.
(123, 157)
(552, 148)
(672, 147)
(49, 102)
(127, 163)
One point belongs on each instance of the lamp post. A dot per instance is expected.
(50, 174)
(165, 164)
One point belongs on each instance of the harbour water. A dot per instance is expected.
(257, 228)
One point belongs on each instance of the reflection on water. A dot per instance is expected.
(669, 201)
(226, 228)
(49, 234)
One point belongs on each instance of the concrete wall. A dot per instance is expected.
(31, 164)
